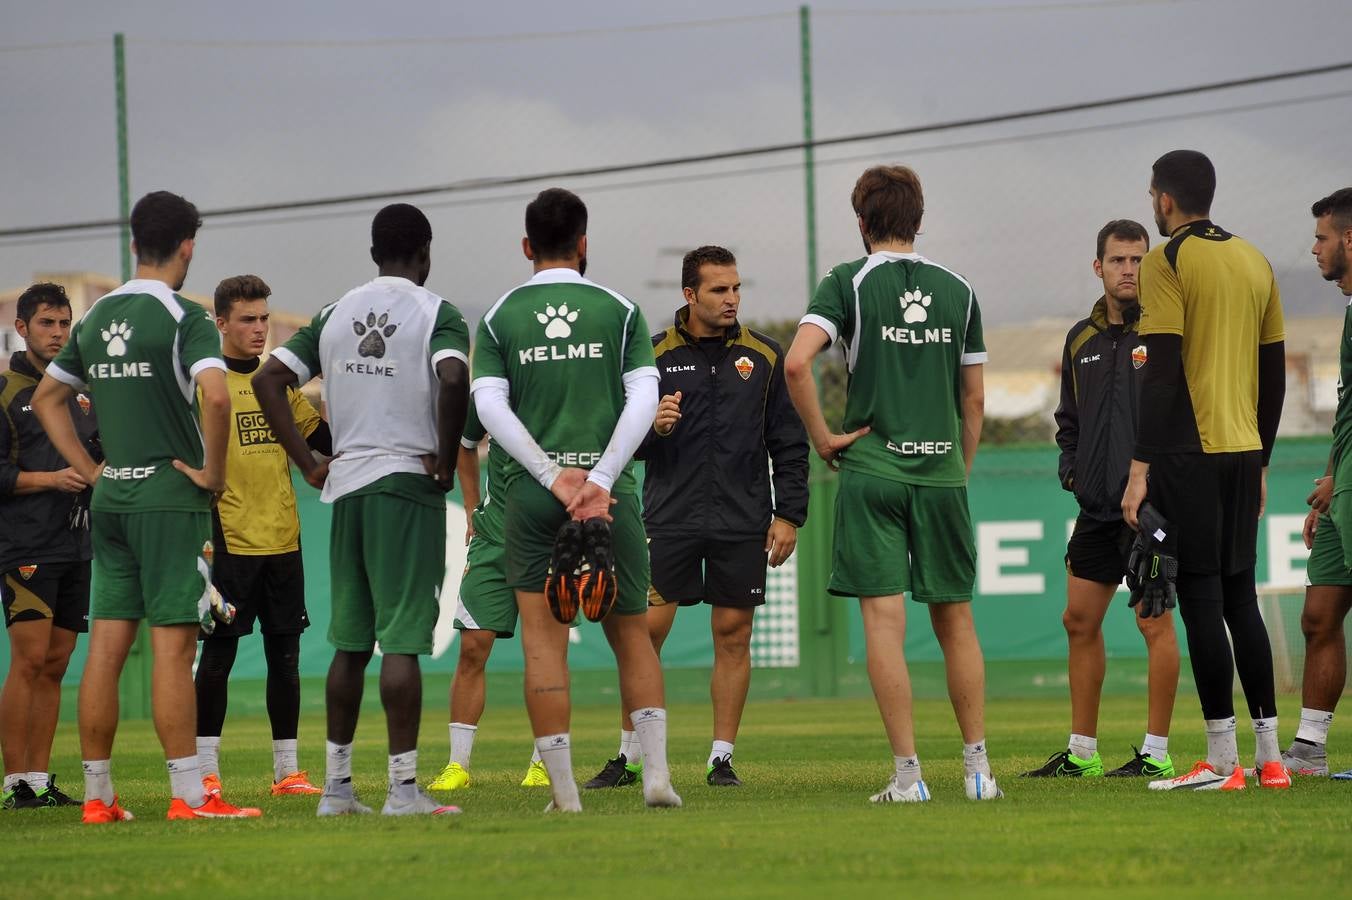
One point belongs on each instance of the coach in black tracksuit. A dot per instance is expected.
(1096, 431)
(725, 431)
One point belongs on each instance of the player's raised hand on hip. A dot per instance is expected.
(834, 445)
(200, 477)
(668, 414)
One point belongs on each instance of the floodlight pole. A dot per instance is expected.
(123, 191)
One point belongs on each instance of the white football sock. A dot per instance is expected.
(556, 752)
(908, 770)
(631, 747)
(284, 759)
(974, 760)
(185, 780)
(534, 754)
(403, 767)
(1083, 746)
(651, 724)
(1265, 741)
(209, 755)
(37, 781)
(1221, 750)
(98, 780)
(462, 743)
(337, 761)
(1314, 726)
(14, 778)
(1155, 746)
(719, 750)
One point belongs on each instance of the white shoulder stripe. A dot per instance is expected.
(492, 310)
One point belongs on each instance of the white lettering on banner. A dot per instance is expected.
(899, 335)
(1285, 547)
(121, 370)
(577, 459)
(993, 558)
(555, 353)
(128, 473)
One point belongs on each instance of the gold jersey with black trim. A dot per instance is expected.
(1218, 293)
(257, 511)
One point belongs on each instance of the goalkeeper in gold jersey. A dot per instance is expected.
(257, 540)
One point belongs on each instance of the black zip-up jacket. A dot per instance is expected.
(711, 475)
(35, 528)
(1096, 419)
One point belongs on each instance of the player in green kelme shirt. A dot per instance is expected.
(1328, 527)
(911, 330)
(138, 351)
(564, 381)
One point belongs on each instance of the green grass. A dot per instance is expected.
(801, 826)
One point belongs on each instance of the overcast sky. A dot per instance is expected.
(220, 112)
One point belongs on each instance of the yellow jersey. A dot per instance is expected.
(257, 511)
(1218, 293)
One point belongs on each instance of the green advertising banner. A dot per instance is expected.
(1021, 517)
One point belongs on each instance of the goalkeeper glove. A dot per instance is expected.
(1152, 567)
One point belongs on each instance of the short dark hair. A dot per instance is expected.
(1338, 205)
(1187, 176)
(555, 220)
(160, 222)
(889, 200)
(708, 255)
(239, 287)
(44, 293)
(399, 232)
(1123, 230)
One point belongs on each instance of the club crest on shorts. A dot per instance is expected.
(1138, 357)
(208, 552)
(84, 403)
(744, 366)
(28, 571)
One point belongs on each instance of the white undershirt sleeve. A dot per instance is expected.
(492, 399)
(640, 408)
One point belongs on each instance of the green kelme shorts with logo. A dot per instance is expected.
(486, 602)
(153, 565)
(892, 537)
(387, 560)
(1328, 563)
(533, 518)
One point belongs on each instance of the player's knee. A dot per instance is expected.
(1079, 626)
(1157, 631)
(1318, 623)
(733, 642)
(475, 647)
(25, 664)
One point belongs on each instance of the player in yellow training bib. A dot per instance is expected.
(256, 533)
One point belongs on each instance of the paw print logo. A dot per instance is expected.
(375, 331)
(915, 307)
(116, 335)
(557, 322)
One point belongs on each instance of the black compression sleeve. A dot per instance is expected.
(1271, 393)
(1161, 384)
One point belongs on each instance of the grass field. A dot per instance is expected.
(801, 826)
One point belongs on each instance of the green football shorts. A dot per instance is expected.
(151, 565)
(892, 537)
(387, 560)
(486, 602)
(533, 518)
(1327, 565)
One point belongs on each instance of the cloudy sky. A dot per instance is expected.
(256, 102)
